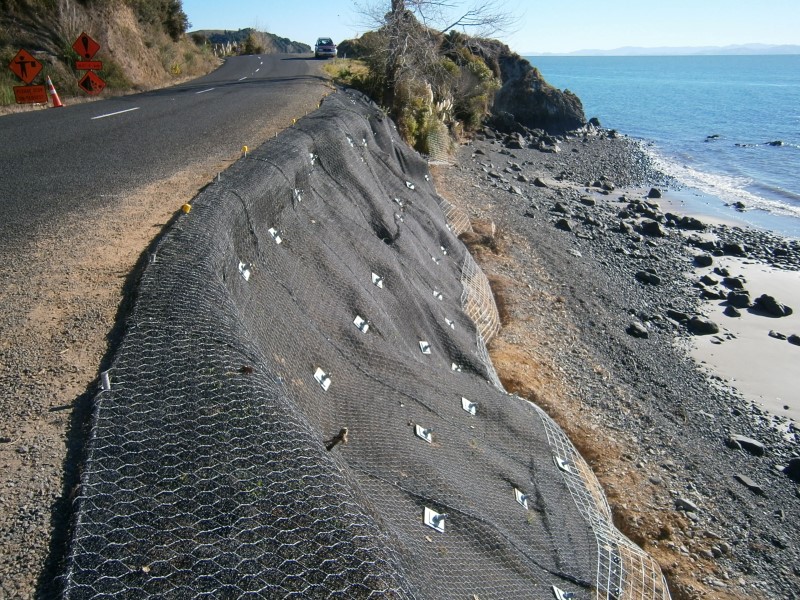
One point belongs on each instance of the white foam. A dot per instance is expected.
(727, 188)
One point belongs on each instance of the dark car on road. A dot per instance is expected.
(325, 48)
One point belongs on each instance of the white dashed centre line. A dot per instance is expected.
(204, 91)
(119, 112)
(243, 78)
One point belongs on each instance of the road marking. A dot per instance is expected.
(243, 78)
(119, 112)
(257, 70)
(204, 91)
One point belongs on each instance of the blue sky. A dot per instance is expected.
(541, 25)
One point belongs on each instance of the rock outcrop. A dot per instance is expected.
(525, 94)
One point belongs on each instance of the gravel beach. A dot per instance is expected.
(602, 298)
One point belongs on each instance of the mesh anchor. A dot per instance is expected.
(444, 250)
(425, 347)
(105, 381)
(561, 594)
(409, 185)
(246, 270)
(438, 295)
(436, 259)
(455, 367)
(434, 519)
(522, 499)
(362, 324)
(275, 235)
(562, 464)
(470, 407)
(377, 280)
(323, 378)
(424, 434)
(450, 323)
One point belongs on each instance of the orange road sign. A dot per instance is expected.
(89, 65)
(91, 83)
(85, 46)
(30, 94)
(25, 66)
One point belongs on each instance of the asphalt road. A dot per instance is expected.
(79, 157)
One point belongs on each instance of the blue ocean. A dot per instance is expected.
(707, 120)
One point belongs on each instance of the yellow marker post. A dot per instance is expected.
(244, 151)
(186, 208)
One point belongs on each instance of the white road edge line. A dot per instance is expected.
(204, 91)
(243, 78)
(119, 112)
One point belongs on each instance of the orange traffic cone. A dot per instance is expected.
(53, 94)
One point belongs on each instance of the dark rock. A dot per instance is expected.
(625, 227)
(675, 315)
(564, 225)
(637, 330)
(732, 311)
(712, 294)
(691, 223)
(540, 183)
(749, 483)
(595, 122)
(522, 179)
(754, 447)
(515, 190)
(722, 271)
(769, 305)
(652, 228)
(703, 260)
(775, 143)
(654, 193)
(740, 206)
(792, 470)
(479, 151)
(734, 249)
(648, 278)
(733, 283)
(526, 95)
(588, 201)
(560, 207)
(702, 326)
(777, 335)
(794, 339)
(708, 280)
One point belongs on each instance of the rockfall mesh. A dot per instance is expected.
(316, 297)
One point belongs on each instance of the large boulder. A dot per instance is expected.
(525, 94)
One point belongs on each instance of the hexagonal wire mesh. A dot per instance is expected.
(301, 394)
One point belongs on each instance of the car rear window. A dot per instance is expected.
(325, 42)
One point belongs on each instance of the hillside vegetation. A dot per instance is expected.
(143, 42)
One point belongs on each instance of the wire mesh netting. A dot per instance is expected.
(302, 405)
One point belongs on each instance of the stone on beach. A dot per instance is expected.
(702, 326)
(754, 447)
(771, 306)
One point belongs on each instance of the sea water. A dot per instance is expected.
(708, 121)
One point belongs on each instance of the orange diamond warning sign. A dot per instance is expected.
(25, 66)
(91, 83)
(85, 46)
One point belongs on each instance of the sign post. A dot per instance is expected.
(26, 67)
(91, 82)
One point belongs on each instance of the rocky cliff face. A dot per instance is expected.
(526, 96)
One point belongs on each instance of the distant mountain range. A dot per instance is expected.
(736, 50)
